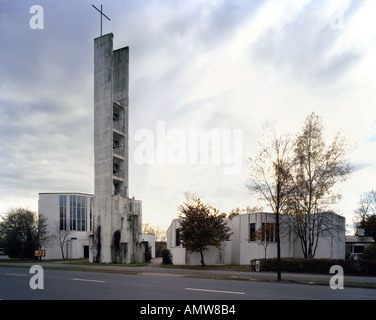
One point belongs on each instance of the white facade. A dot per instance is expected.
(241, 249)
(181, 257)
(72, 212)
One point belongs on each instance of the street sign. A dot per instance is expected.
(40, 253)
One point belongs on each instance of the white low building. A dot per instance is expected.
(149, 238)
(242, 247)
(72, 213)
(356, 245)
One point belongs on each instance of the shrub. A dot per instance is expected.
(147, 256)
(322, 266)
(370, 252)
(166, 257)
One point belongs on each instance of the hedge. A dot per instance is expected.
(322, 266)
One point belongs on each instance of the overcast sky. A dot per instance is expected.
(225, 66)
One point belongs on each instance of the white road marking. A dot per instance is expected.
(216, 291)
(16, 274)
(88, 280)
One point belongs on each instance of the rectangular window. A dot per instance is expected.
(177, 237)
(268, 232)
(78, 213)
(63, 213)
(83, 213)
(358, 249)
(73, 213)
(252, 231)
(91, 214)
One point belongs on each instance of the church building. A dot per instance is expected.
(105, 227)
(117, 219)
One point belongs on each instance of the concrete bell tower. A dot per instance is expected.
(117, 219)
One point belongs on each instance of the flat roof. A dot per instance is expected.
(357, 239)
(83, 193)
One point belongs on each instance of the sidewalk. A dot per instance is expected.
(156, 268)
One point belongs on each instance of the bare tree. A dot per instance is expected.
(43, 237)
(317, 169)
(366, 214)
(265, 235)
(367, 205)
(270, 175)
(160, 237)
(61, 237)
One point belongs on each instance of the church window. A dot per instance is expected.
(78, 213)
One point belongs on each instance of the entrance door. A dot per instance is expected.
(86, 252)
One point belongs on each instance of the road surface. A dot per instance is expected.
(82, 285)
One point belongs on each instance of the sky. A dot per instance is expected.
(224, 68)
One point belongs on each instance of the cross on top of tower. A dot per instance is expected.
(102, 14)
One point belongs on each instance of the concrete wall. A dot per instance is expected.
(117, 218)
(103, 147)
(333, 243)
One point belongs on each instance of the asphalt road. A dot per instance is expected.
(80, 285)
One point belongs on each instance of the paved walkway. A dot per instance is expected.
(156, 262)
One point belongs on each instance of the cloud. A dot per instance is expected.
(194, 65)
(45, 105)
(301, 44)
